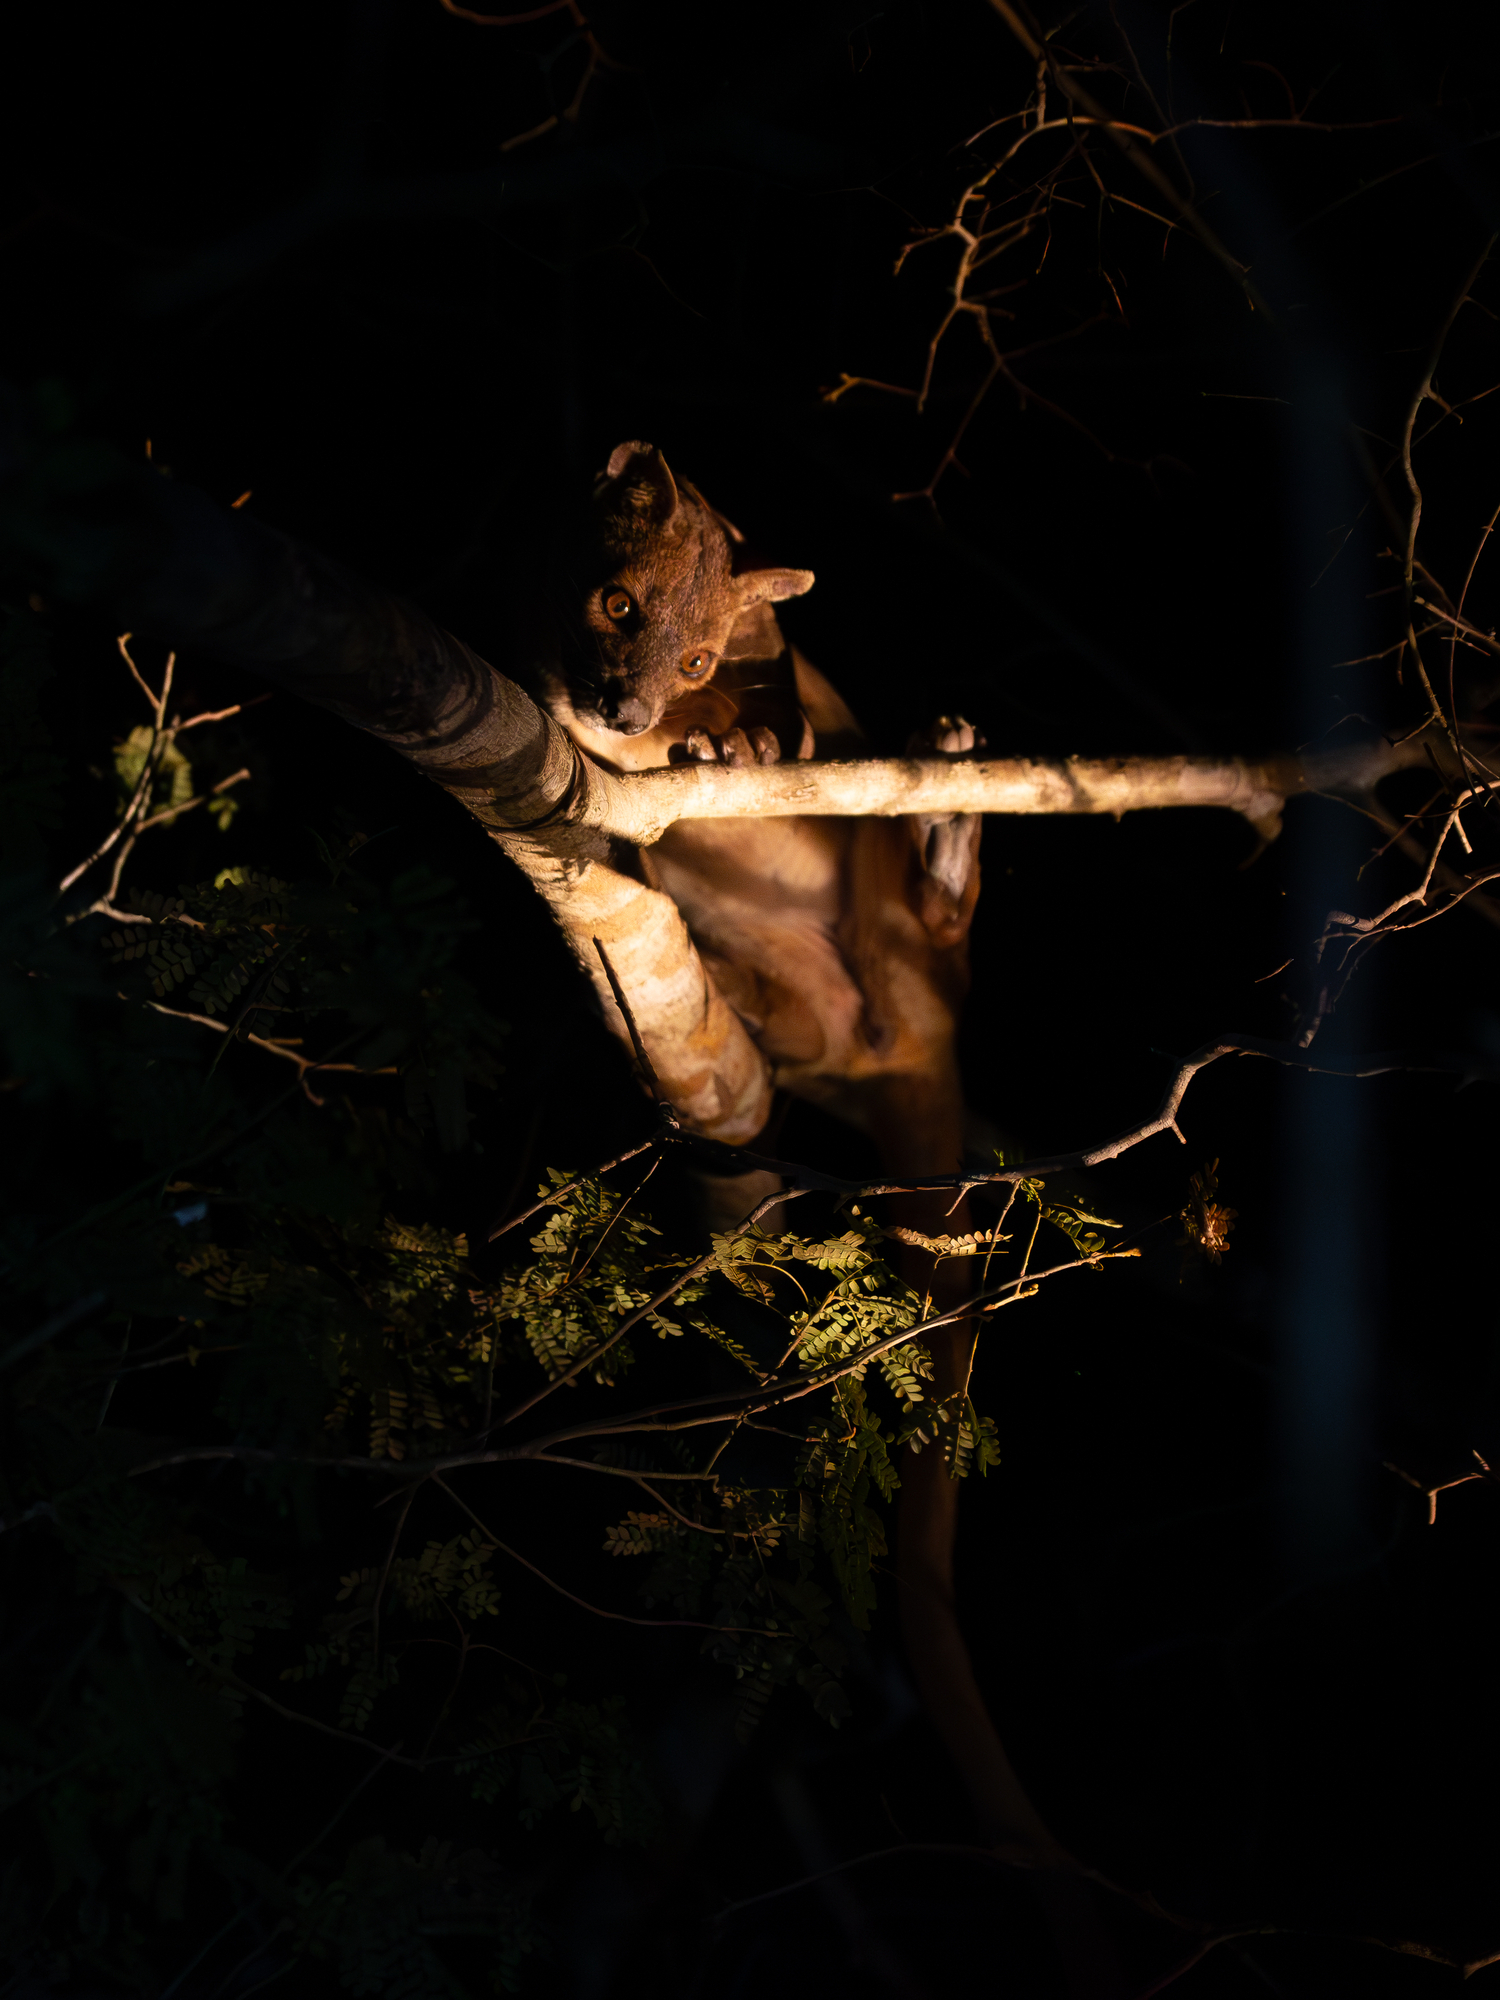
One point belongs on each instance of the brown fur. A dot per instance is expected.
(840, 948)
(841, 943)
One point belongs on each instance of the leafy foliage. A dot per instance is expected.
(575, 1754)
(380, 1920)
(564, 1319)
(251, 1287)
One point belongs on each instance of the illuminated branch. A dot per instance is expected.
(641, 805)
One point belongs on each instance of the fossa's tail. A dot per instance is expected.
(944, 1672)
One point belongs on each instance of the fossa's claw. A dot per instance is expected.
(949, 736)
(737, 747)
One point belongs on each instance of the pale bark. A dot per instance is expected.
(641, 805)
(704, 1059)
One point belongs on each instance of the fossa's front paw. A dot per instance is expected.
(736, 747)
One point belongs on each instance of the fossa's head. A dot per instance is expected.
(650, 594)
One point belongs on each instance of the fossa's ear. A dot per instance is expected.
(770, 586)
(646, 484)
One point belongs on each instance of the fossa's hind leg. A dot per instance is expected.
(921, 1130)
(948, 843)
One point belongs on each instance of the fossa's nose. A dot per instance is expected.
(627, 714)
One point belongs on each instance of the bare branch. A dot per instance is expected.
(1124, 138)
(160, 738)
(305, 1064)
(641, 805)
(1424, 390)
(170, 813)
(1430, 1493)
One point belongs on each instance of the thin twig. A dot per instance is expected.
(390, 1556)
(561, 1193)
(640, 1479)
(513, 20)
(178, 1166)
(169, 813)
(629, 1018)
(1423, 392)
(1485, 533)
(574, 1276)
(1124, 139)
(1208, 1936)
(302, 1854)
(1430, 1493)
(232, 1679)
(619, 1617)
(142, 790)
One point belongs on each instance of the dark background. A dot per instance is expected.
(1212, 1691)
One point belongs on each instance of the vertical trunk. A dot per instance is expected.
(704, 1060)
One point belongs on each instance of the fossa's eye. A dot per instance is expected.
(697, 665)
(618, 604)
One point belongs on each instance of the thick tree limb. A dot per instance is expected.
(641, 805)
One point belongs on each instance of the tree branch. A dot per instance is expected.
(641, 805)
